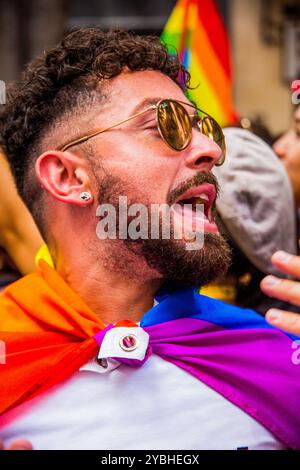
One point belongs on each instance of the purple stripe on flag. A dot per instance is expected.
(252, 368)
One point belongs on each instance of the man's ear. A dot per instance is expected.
(65, 176)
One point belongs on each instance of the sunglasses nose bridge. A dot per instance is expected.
(199, 125)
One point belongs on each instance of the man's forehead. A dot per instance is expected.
(135, 91)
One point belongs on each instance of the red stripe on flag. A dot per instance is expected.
(212, 22)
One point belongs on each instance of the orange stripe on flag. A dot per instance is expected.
(212, 69)
(205, 95)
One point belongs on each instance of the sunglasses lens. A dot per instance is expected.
(209, 127)
(174, 124)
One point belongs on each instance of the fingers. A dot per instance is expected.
(20, 444)
(284, 289)
(281, 289)
(287, 321)
(287, 263)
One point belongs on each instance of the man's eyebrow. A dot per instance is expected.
(147, 102)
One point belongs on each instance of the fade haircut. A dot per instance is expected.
(55, 85)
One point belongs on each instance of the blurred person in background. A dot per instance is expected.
(287, 147)
(258, 217)
(19, 237)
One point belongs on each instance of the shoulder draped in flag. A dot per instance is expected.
(50, 333)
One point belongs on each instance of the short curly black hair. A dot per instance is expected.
(53, 84)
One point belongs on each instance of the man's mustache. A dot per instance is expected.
(199, 178)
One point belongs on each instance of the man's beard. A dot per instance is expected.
(169, 258)
(188, 268)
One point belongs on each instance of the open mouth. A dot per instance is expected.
(204, 195)
(194, 209)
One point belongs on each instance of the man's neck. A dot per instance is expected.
(113, 297)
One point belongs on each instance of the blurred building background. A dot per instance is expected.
(264, 36)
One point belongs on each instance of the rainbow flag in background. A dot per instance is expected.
(196, 30)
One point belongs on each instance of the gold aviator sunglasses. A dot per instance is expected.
(175, 126)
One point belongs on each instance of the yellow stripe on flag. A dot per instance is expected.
(204, 95)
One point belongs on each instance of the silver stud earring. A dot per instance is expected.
(85, 196)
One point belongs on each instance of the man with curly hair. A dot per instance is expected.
(109, 344)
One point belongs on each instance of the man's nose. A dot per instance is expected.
(202, 153)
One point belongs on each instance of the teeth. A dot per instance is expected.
(199, 199)
(204, 196)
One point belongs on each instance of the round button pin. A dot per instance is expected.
(129, 342)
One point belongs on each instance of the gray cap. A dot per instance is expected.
(256, 202)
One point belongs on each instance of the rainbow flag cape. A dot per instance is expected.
(196, 31)
(50, 333)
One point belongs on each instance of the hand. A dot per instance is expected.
(18, 444)
(284, 289)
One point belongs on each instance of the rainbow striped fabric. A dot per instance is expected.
(196, 31)
(49, 333)
(232, 350)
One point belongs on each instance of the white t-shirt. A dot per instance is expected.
(156, 406)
